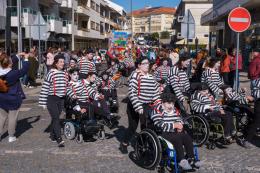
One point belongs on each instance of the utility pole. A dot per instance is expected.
(72, 25)
(8, 35)
(19, 29)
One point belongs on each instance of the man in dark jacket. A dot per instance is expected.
(254, 75)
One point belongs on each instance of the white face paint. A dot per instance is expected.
(168, 106)
(105, 76)
(74, 76)
(228, 90)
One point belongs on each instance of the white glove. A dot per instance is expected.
(141, 111)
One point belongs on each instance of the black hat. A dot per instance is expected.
(256, 50)
(90, 51)
(59, 56)
(140, 60)
(72, 70)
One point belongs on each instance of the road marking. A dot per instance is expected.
(24, 109)
(64, 153)
(18, 152)
(239, 19)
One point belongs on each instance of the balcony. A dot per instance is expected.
(28, 16)
(69, 4)
(83, 32)
(207, 17)
(67, 27)
(54, 23)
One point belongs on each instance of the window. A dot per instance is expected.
(93, 25)
(97, 8)
(84, 24)
(93, 5)
(98, 27)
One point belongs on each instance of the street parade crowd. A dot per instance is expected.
(162, 83)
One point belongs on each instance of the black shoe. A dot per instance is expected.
(60, 143)
(123, 148)
(52, 139)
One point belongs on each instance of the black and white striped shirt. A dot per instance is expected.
(77, 90)
(55, 83)
(165, 120)
(201, 103)
(142, 89)
(255, 85)
(179, 81)
(86, 66)
(213, 80)
(90, 90)
(161, 73)
(240, 96)
(129, 62)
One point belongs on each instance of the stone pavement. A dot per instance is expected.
(34, 153)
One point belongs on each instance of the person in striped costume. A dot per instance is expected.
(113, 67)
(168, 120)
(97, 100)
(143, 91)
(178, 81)
(77, 92)
(254, 75)
(161, 73)
(53, 92)
(231, 95)
(86, 64)
(212, 77)
(107, 87)
(203, 102)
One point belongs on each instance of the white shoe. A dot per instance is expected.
(184, 164)
(11, 139)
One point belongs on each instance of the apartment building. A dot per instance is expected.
(93, 22)
(197, 8)
(152, 19)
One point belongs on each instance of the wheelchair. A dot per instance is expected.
(153, 151)
(78, 126)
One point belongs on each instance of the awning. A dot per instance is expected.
(201, 41)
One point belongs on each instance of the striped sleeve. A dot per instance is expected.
(177, 90)
(159, 122)
(133, 92)
(213, 87)
(196, 104)
(157, 74)
(45, 89)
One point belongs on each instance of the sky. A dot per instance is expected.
(138, 4)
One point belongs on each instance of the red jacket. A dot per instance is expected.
(254, 68)
(233, 63)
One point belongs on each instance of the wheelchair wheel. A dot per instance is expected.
(69, 131)
(148, 149)
(198, 128)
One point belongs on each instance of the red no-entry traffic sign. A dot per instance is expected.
(239, 19)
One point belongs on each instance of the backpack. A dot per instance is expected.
(3, 85)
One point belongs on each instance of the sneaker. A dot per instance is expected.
(184, 164)
(123, 148)
(11, 139)
(60, 143)
(244, 143)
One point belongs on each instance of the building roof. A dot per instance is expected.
(153, 11)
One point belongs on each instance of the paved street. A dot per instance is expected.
(34, 153)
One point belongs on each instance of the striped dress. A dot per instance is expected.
(55, 84)
(86, 66)
(200, 103)
(77, 90)
(213, 80)
(164, 120)
(255, 89)
(178, 80)
(161, 73)
(142, 89)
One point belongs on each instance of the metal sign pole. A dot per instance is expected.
(236, 81)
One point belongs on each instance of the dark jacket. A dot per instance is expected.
(12, 100)
(254, 68)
